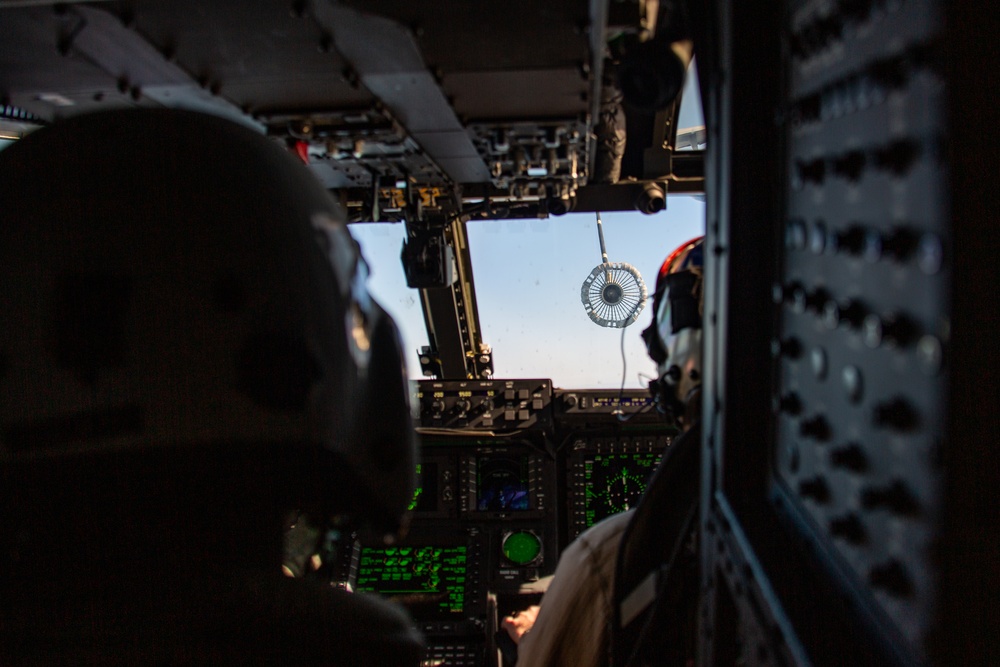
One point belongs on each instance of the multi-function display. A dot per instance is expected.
(502, 483)
(430, 580)
(614, 483)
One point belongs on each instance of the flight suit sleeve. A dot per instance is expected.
(572, 625)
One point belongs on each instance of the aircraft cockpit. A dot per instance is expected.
(505, 179)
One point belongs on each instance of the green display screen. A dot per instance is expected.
(522, 547)
(429, 580)
(614, 483)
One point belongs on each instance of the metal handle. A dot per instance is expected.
(600, 234)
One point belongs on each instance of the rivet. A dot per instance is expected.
(795, 234)
(777, 293)
(853, 383)
(930, 354)
(930, 254)
(830, 315)
(817, 359)
(817, 237)
(872, 331)
(872, 250)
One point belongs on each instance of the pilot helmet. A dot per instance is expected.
(673, 340)
(176, 282)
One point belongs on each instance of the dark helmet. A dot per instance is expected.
(673, 340)
(176, 282)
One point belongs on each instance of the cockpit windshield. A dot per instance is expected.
(528, 277)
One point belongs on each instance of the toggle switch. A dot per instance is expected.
(848, 528)
(851, 457)
(896, 414)
(895, 497)
(790, 347)
(790, 403)
(816, 427)
(891, 577)
(816, 489)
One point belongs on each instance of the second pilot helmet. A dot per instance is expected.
(674, 339)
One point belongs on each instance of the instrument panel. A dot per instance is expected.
(605, 476)
(510, 472)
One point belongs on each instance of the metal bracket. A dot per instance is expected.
(456, 349)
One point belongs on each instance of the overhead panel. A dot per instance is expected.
(260, 54)
(499, 65)
(389, 63)
(235, 59)
(519, 94)
(42, 75)
(494, 35)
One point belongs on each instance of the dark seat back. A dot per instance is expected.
(656, 577)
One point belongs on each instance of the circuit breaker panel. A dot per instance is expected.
(863, 300)
(822, 527)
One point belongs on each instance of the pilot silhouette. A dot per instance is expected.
(187, 352)
(580, 613)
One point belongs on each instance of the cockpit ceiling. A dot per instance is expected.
(497, 96)
(521, 59)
